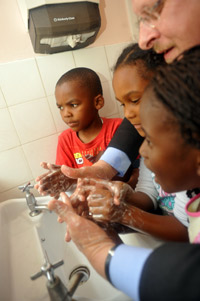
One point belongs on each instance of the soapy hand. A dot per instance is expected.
(54, 181)
(102, 208)
(119, 191)
(90, 239)
(61, 178)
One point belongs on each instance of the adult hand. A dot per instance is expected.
(100, 169)
(54, 181)
(90, 239)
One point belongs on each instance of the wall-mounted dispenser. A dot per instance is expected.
(60, 25)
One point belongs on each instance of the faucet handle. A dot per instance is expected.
(48, 269)
(26, 187)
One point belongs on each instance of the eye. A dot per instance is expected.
(60, 108)
(135, 101)
(74, 105)
(148, 141)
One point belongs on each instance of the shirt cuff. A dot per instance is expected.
(126, 267)
(117, 159)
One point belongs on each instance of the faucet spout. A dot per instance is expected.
(35, 209)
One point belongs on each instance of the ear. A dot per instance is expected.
(99, 101)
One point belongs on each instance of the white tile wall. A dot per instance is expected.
(14, 169)
(51, 68)
(110, 105)
(33, 120)
(29, 119)
(20, 81)
(9, 137)
(94, 58)
(2, 100)
(44, 150)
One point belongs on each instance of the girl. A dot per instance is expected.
(132, 73)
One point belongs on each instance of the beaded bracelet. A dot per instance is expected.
(108, 259)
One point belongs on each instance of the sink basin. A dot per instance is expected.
(24, 240)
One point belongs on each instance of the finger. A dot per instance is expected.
(60, 220)
(95, 200)
(36, 186)
(66, 199)
(44, 165)
(39, 178)
(96, 210)
(60, 208)
(53, 167)
(67, 236)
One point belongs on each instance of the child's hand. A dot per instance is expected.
(53, 182)
(120, 191)
(102, 208)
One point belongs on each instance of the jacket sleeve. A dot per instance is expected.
(171, 272)
(127, 139)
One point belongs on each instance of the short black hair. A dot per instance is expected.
(147, 60)
(177, 87)
(86, 77)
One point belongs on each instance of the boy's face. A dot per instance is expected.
(129, 87)
(76, 105)
(165, 153)
(176, 29)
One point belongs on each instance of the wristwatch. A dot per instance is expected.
(111, 253)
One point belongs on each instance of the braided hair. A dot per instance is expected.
(147, 60)
(177, 86)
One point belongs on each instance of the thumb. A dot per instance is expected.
(63, 209)
(73, 173)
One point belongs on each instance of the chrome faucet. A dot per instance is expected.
(35, 209)
(56, 289)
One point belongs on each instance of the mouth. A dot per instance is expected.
(137, 126)
(166, 53)
(72, 124)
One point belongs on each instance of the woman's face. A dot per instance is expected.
(128, 87)
(174, 163)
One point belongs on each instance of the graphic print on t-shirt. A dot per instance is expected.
(91, 158)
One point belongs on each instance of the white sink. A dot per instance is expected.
(22, 240)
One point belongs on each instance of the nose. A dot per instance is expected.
(66, 112)
(147, 36)
(129, 113)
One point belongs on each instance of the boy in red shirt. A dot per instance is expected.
(79, 97)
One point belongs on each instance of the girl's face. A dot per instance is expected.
(174, 163)
(128, 87)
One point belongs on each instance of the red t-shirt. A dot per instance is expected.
(71, 151)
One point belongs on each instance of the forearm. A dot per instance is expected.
(104, 170)
(162, 227)
(140, 200)
(97, 256)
